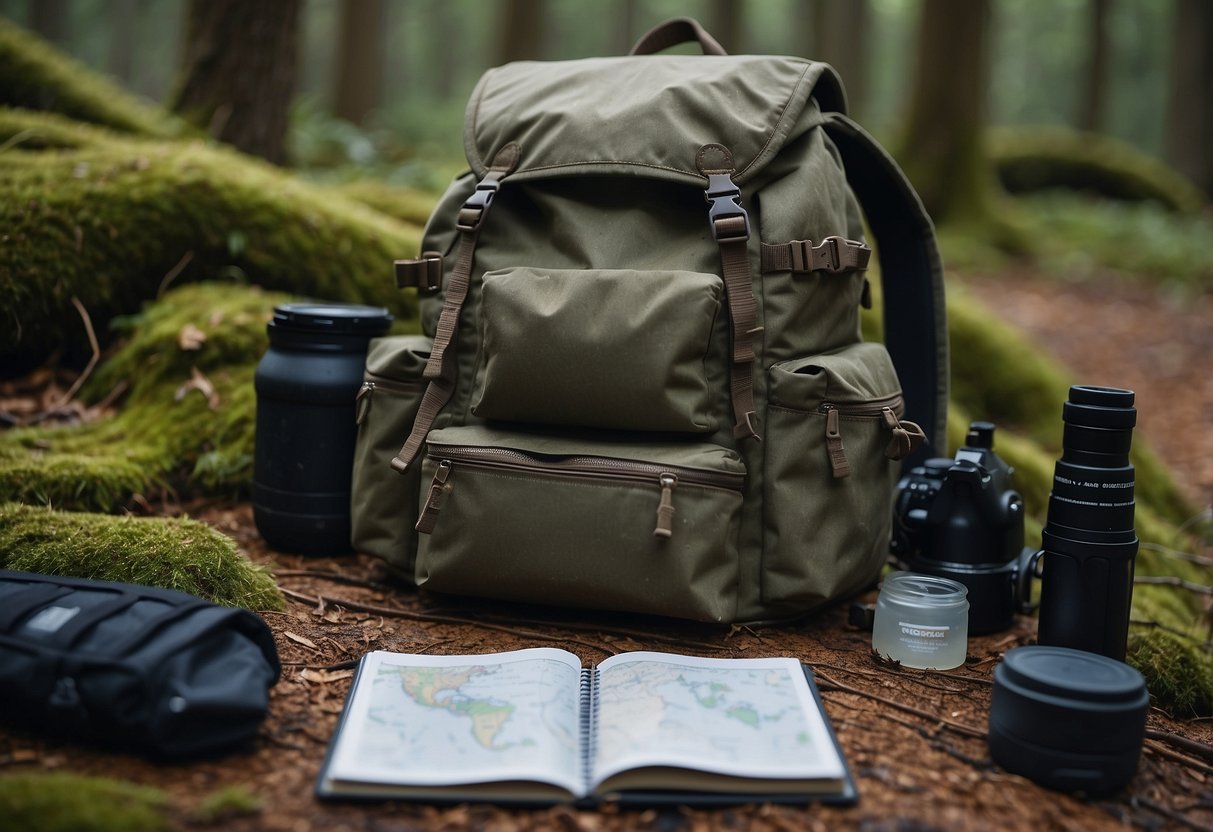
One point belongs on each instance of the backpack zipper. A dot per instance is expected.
(888, 408)
(371, 382)
(666, 477)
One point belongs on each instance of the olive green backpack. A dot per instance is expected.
(646, 388)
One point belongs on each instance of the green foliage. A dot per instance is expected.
(106, 219)
(169, 552)
(62, 802)
(174, 431)
(226, 804)
(36, 76)
(1081, 237)
(1043, 158)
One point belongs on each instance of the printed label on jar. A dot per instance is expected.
(922, 638)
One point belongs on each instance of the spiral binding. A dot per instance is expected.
(589, 723)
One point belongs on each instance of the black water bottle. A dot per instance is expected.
(306, 386)
(1089, 541)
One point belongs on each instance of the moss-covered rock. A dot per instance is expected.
(106, 219)
(187, 420)
(172, 553)
(61, 802)
(1040, 158)
(405, 204)
(36, 76)
(1178, 671)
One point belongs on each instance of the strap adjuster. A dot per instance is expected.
(478, 203)
(424, 274)
(829, 248)
(728, 220)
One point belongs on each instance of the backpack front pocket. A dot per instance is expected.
(383, 503)
(641, 527)
(599, 348)
(834, 436)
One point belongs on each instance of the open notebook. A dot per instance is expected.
(533, 726)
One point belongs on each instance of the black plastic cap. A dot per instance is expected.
(1068, 719)
(335, 318)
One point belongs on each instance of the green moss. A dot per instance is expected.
(107, 218)
(1178, 674)
(1040, 158)
(226, 804)
(173, 553)
(60, 802)
(169, 435)
(36, 76)
(405, 204)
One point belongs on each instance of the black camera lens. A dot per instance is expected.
(1089, 539)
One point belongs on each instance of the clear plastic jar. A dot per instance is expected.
(922, 621)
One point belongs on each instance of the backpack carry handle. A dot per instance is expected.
(676, 31)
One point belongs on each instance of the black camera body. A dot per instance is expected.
(961, 519)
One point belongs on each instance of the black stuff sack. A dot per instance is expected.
(155, 671)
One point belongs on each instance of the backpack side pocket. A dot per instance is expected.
(383, 503)
(834, 435)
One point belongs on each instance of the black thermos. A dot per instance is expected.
(306, 386)
(1089, 541)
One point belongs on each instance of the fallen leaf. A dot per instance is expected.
(203, 385)
(191, 338)
(306, 642)
(325, 676)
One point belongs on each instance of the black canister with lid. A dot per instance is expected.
(1068, 719)
(306, 386)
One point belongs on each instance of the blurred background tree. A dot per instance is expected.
(399, 71)
(236, 77)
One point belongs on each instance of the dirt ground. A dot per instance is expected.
(915, 740)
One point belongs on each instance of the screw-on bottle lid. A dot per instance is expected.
(336, 318)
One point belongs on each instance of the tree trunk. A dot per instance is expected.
(1091, 104)
(943, 150)
(520, 31)
(52, 20)
(359, 78)
(238, 71)
(840, 38)
(727, 25)
(1189, 126)
(447, 31)
(124, 17)
(625, 28)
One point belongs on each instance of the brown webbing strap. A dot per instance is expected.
(441, 367)
(731, 228)
(833, 254)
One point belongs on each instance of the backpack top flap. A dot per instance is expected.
(643, 115)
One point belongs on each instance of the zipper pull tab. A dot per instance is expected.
(907, 436)
(838, 457)
(439, 488)
(665, 509)
(362, 403)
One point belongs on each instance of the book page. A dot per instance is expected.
(753, 718)
(438, 721)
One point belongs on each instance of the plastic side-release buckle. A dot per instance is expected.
(478, 203)
(728, 220)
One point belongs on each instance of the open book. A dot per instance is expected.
(533, 726)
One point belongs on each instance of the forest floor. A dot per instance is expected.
(915, 739)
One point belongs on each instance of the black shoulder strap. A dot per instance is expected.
(911, 274)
